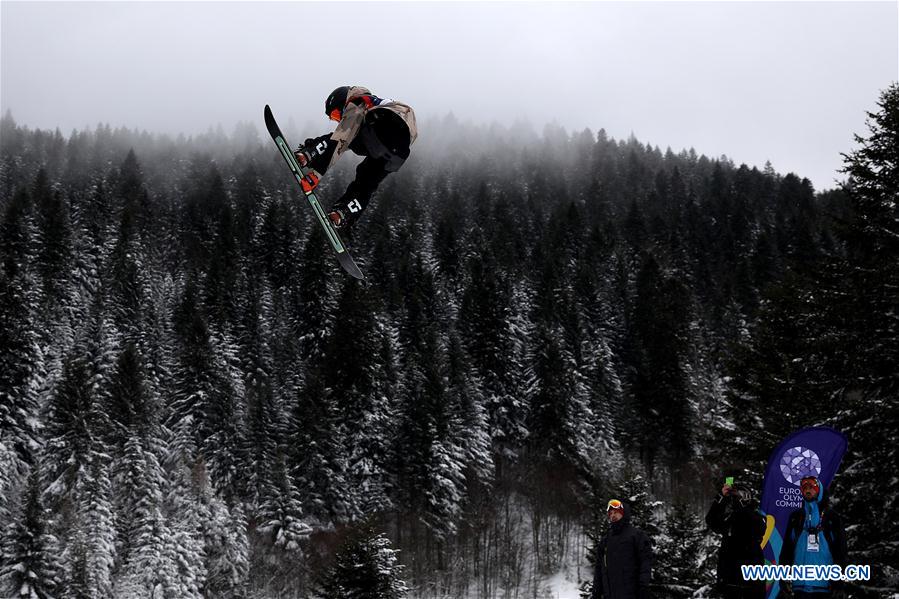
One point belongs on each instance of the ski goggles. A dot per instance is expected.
(335, 115)
(614, 504)
(809, 483)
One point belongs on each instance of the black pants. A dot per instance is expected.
(369, 175)
(384, 141)
(742, 591)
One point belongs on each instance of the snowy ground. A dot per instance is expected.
(563, 585)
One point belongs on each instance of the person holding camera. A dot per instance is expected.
(735, 515)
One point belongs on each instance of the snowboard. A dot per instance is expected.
(300, 172)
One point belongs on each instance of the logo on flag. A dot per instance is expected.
(799, 462)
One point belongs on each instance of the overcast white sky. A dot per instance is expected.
(785, 82)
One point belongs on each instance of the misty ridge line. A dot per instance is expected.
(440, 138)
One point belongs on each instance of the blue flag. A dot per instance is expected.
(815, 451)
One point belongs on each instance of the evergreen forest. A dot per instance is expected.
(195, 401)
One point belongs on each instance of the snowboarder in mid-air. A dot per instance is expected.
(380, 129)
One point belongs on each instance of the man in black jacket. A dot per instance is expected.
(735, 515)
(623, 558)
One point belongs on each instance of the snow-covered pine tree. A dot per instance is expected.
(563, 333)
(427, 460)
(679, 554)
(226, 547)
(182, 572)
(30, 559)
(125, 279)
(860, 311)
(90, 553)
(485, 328)
(280, 510)
(265, 422)
(317, 458)
(19, 368)
(76, 418)
(634, 489)
(18, 235)
(206, 390)
(275, 506)
(54, 241)
(355, 363)
(138, 478)
(769, 392)
(221, 283)
(311, 316)
(470, 424)
(662, 384)
(131, 408)
(275, 247)
(605, 399)
(365, 567)
(595, 528)
(143, 530)
(226, 447)
(250, 200)
(19, 351)
(560, 420)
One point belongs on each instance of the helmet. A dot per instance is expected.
(336, 101)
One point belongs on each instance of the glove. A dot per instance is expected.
(302, 156)
(786, 590)
(838, 589)
(310, 182)
(643, 592)
(307, 152)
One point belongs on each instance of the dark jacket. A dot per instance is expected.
(832, 527)
(829, 525)
(623, 562)
(743, 527)
(379, 128)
